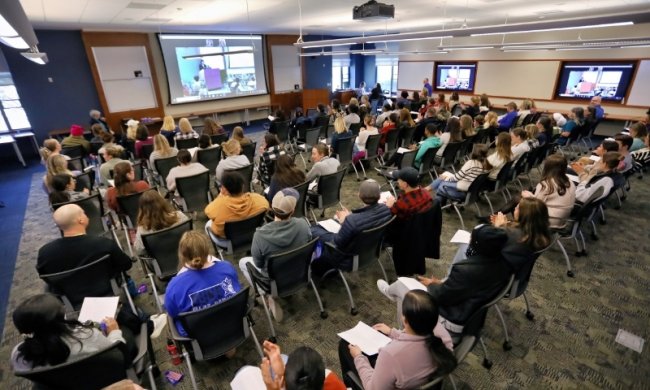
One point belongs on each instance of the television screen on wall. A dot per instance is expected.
(200, 67)
(455, 76)
(584, 80)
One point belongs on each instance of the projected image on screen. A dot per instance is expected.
(201, 67)
(457, 77)
(585, 81)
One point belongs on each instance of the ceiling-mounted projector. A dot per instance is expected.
(373, 10)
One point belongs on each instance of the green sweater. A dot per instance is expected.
(431, 142)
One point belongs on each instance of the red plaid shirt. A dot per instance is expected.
(410, 203)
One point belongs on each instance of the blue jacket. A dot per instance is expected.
(508, 120)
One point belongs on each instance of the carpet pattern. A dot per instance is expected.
(569, 345)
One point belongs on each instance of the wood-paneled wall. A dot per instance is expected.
(311, 97)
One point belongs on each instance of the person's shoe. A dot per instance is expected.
(382, 285)
(276, 310)
(159, 323)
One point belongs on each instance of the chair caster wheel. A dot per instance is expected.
(323, 315)
(530, 315)
(583, 253)
(273, 339)
(487, 363)
(358, 179)
(603, 222)
(594, 237)
(354, 311)
(570, 274)
(617, 207)
(507, 346)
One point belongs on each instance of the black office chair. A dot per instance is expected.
(365, 250)
(328, 192)
(472, 196)
(232, 319)
(499, 185)
(355, 128)
(449, 156)
(288, 274)
(76, 164)
(407, 136)
(344, 148)
(239, 234)
(428, 163)
(282, 130)
(128, 215)
(162, 251)
(407, 160)
(301, 205)
(372, 147)
(85, 180)
(218, 139)
(194, 191)
(73, 151)
(163, 166)
(187, 143)
(311, 139)
(247, 173)
(248, 150)
(209, 158)
(390, 147)
(100, 221)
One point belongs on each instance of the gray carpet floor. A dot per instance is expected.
(569, 345)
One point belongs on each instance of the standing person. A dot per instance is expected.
(361, 91)
(97, 118)
(125, 184)
(414, 355)
(161, 149)
(376, 93)
(186, 130)
(426, 85)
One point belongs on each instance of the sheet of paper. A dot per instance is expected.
(630, 340)
(312, 185)
(383, 197)
(95, 309)
(412, 283)
(248, 377)
(271, 118)
(330, 225)
(461, 237)
(366, 338)
(111, 182)
(573, 178)
(403, 150)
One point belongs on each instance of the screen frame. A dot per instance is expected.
(587, 63)
(446, 63)
(264, 64)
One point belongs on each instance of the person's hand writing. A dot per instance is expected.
(341, 214)
(354, 350)
(111, 325)
(270, 382)
(390, 201)
(383, 328)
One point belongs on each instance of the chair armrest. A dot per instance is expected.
(142, 343)
(355, 379)
(333, 247)
(172, 328)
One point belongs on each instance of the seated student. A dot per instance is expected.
(277, 118)
(642, 156)
(50, 339)
(340, 132)
(414, 355)
(507, 120)
(518, 143)
(286, 174)
(212, 127)
(473, 280)
(587, 189)
(76, 138)
(405, 122)
(109, 140)
(624, 142)
(365, 132)
(501, 156)
(353, 115)
(238, 135)
(574, 124)
(97, 130)
(386, 110)
(452, 133)
(535, 138)
(111, 156)
(154, 214)
(413, 199)
(372, 215)
(638, 132)
(491, 123)
(168, 129)
(161, 149)
(474, 109)
(202, 280)
(281, 235)
(428, 118)
(467, 126)
(142, 138)
(234, 159)
(269, 152)
(527, 108)
(545, 126)
(404, 98)
(56, 164)
(485, 103)
(50, 147)
(587, 167)
(323, 163)
(304, 370)
(600, 111)
(456, 185)
(125, 184)
(389, 125)
(63, 190)
(233, 203)
(185, 130)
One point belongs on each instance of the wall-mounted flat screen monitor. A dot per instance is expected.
(455, 76)
(584, 80)
(208, 67)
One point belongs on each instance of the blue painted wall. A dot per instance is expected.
(72, 93)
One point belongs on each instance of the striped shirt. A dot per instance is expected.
(470, 171)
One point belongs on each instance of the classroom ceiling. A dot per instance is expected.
(333, 17)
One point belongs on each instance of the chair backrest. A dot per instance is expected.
(248, 150)
(450, 154)
(408, 158)
(95, 146)
(219, 328)
(164, 165)
(187, 143)
(466, 147)
(73, 151)
(474, 324)
(85, 180)
(282, 130)
(344, 148)
(240, 233)
(146, 151)
(301, 205)
(92, 372)
(407, 136)
(195, 190)
(289, 271)
(162, 246)
(520, 165)
(456, 110)
(209, 157)
(372, 145)
(90, 280)
(482, 136)
(355, 128)
(504, 174)
(477, 186)
(93, 207)
(130, 206)
(138, 170)
(247, 173)
(217, 139)
(311, 138)
(391, 141)
(76, 164)
(522, 277)
(329, 187)
(367, 245)
(428, 160)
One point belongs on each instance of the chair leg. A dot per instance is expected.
(462, 223)
(506, 344)
(487, 363)
(365, 176)
(313, 215)
(489, 203)
(529, 314)
(154, 290)
(257, 343)
(268, 315)
(356, 171)
(323, 313)
(382, 268)
(188, 361)
(353, 308)
(152, 381)
(128, 297)
(453, 382)
(569, 271)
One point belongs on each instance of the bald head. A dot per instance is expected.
(70, 217)
(596, 100)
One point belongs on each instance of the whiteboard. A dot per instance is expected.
(639, 95)
(127, 95)
(120, 62)
(532, 79)
(411, 73)
(286, 68)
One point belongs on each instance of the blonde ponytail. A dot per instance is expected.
(193, 250)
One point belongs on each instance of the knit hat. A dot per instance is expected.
(76, 130)
(284, 201)
(560, 120)
(409, 175)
